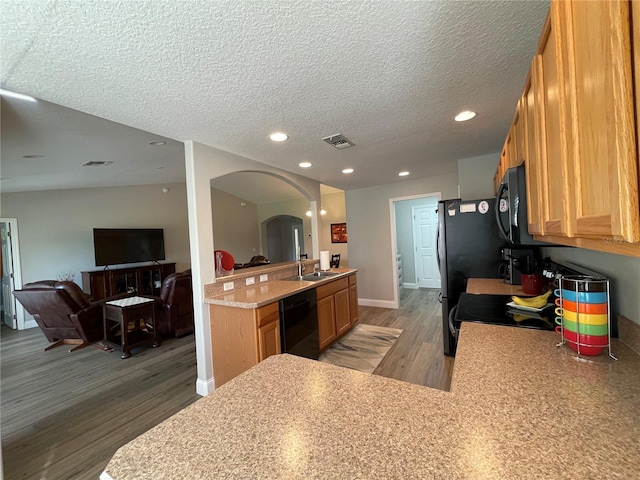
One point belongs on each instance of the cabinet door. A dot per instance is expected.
(343, 319)
(532, 163)
(268, 340)
(326, 321)
(353, 304)
(552, 141)
(519, 137)
(600, 98)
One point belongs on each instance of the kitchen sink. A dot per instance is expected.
(312, 277)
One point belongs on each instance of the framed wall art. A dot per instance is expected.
(338, 233)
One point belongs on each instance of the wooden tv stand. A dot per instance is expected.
(143, 280)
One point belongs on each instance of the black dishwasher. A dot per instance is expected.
(299, 325)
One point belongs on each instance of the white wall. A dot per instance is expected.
(235, 228)
(369, 229)
(624, 273)
(56, 226)
(334, 204)
(202, 164)
(475, 176)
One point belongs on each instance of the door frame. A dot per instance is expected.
(394, 241)
(17, 270)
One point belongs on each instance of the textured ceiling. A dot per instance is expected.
(389, 75)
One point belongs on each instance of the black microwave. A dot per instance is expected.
(511, 208)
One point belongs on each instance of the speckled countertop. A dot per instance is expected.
(519, 408)
(264, 293)
(493, 286)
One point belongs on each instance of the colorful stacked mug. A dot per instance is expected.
(583, 313)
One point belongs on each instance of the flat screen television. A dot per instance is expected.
(113, 246)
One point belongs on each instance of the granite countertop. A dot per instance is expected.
(272, 291)
(519, 407)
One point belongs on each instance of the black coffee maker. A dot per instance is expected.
(515, 262)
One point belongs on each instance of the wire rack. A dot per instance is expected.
(580, 288)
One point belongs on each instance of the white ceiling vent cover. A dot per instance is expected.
(339, 141)
(95, 164)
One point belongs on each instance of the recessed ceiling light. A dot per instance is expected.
(403, 174)
(278, 137)
(347, 170)
(33, 156)
(96, 163)
(464, 116)
(157, 144)
(304, 164)
(17, 96)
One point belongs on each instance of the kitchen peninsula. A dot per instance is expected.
(246, 322)
(519, 407)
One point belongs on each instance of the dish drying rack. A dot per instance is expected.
(577, 290)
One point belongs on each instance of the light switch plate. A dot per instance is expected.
(227, 286)
(264, 277)
(250, 280)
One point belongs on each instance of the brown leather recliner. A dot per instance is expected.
(174, 316)
(63, 312)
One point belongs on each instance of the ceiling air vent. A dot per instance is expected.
(95, 164)
(339, 141)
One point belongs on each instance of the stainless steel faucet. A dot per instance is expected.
(300, 266)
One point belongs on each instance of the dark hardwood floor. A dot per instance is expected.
(65, 414)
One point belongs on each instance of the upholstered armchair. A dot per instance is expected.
(174, 314)
(63, 313)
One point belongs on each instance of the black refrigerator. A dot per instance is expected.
(469, 245)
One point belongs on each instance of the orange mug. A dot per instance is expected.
(593, 308)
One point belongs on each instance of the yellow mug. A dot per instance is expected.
(586, 318)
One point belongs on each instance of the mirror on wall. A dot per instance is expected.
(256, 214)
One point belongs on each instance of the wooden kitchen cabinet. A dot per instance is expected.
(242, 337)
(554, 167)
(581, 128)
(326, 321)
(599, 90)
(354, 313)
(535, 188)
(333, 311)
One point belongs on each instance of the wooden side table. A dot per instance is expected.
(122, 324)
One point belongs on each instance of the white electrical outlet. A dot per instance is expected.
(250, 280)
(227, 286)
(264, 277)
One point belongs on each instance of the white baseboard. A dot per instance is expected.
(410, 286)
(367, 302)
(205, 387)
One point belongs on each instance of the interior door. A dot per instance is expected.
(8, 285)
(425, 225)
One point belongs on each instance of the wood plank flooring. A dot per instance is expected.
(65, 414)
(417, 356)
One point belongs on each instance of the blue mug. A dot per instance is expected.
(583, 297)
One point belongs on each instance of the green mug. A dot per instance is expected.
(585, 329)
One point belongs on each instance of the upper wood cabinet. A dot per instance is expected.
(599, 89)
(535, 188)
(554, 167)
(577, 128)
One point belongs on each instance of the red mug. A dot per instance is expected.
(532, 284)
